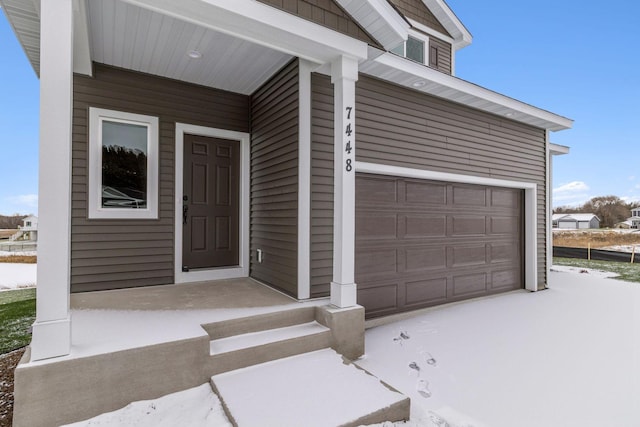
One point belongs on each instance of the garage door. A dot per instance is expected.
(422, 243)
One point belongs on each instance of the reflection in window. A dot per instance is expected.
(124, 165)
(415, 50)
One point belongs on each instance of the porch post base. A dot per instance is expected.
(347, 329)
(343, 295)
(51, 339)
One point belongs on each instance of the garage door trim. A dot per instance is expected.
(530, 205)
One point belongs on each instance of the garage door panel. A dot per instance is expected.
(425, 259)
(435, 242)
(468, 285)
(504, 252)
(426, 292)
(378, 190)
(465, 256)
(504, 225)
(505, 198)
(418, 226)
(429, 193)
(380, 298)
(505, 279)
(468, 225)
(373, 226)
(469, 195)
(372, 262)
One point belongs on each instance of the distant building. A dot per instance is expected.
(633, 221)
(28, 230)
(574, 221)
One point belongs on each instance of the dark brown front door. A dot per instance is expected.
(210, 202)
(421, 243)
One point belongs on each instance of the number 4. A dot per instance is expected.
(348, 147)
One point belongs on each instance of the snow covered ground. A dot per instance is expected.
(567, 356)
(14, 276)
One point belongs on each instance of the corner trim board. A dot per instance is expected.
(530, 205)
(242, 270)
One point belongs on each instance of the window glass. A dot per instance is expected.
(415, 50)
(398, 50)
(124, 165)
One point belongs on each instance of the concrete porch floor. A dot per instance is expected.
(219, 294)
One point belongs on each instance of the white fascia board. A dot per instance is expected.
(263, 25)
(450, 21)
(470, 94)
(81, 50)
(379, 19)
(557, 149)
(421, 27)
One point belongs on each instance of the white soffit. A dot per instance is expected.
(24, 16)
(418, 77)
(450, 21)
(130, 37)
(557, 149)
(379, 19)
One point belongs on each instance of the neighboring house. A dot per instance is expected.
(576, 221)
(324, 148)
(28, 230)
(632, 222)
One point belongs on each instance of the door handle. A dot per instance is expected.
(185, 210)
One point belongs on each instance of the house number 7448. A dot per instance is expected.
(348, 132)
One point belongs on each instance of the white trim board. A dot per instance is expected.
(530, 205)
(242, 270)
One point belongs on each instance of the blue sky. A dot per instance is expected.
(575, 58)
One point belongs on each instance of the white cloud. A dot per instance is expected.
(21, 204)
(573, 193)
(30, 200)
(631, 178)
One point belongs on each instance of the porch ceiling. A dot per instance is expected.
(127, 36)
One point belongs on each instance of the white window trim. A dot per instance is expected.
(530, 205)
(424, 39)
(95, 209)
(200, 275)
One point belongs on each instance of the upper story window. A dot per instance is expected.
(413, 48)
(123, 165)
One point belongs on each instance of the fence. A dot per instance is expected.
(596, 254)
(18, 247)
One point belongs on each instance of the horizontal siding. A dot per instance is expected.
(397, 126)
(274, 180)
(326, 13)
(112, 254)
(321, 185)
(444, 54)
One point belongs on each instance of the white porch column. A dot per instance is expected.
(52, 329)
(344, 74)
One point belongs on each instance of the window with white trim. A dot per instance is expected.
(413, 48)
(123, 165)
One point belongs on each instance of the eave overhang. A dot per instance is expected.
(423, 79)
(379, 19)
(461, 36)
(558, 150)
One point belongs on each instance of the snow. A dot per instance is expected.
(568, 356)
(341, 393)
(14, 276)
(18, 253)
(590, 271)
(254, 339)
(196, 407)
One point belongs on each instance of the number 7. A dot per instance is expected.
(349, 112)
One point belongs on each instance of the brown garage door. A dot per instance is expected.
(421, 243)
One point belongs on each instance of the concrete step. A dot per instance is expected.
(255, 339)
(327, 391)
(239, 343)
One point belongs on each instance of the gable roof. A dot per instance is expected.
(575, 217)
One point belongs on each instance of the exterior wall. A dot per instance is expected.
(110, 254)
(274, 180)
(321, 185)
(416, 10)
(400, 127)
(594, 223)
(326, 13)
(441, 61)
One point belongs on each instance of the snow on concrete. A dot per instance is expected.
(196, 407)
(567, 356)
(278, 393)
(13, 276)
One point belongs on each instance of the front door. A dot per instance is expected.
(210, 220)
